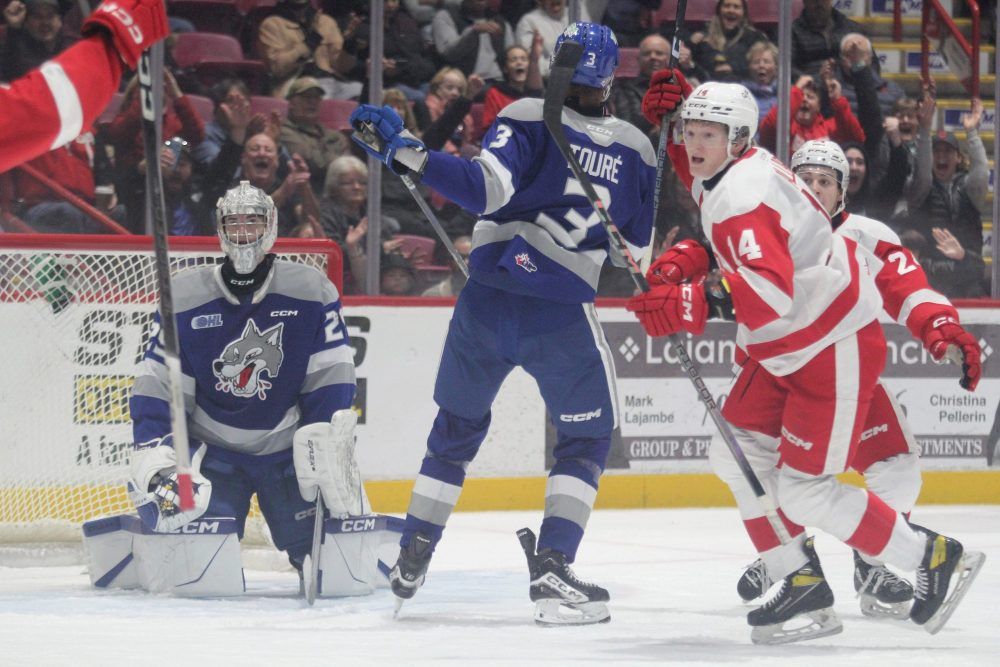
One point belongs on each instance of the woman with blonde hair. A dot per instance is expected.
(722, 47)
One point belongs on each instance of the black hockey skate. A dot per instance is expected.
(804, 596)
(880, 591)
(408, 574)
(560, 597)
(755, 581)
(945, 566)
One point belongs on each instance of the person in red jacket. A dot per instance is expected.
(180, 119)
(808, 123)
(51, 105)
(521, 78)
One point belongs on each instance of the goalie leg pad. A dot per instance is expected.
(201, 559)
(357, 554)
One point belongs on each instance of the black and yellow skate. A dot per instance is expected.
(802, 609)
(881, 592)
(943, 578)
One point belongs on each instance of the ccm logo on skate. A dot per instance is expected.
(795, 440)
(874, 430)
(581, 416)
(284, 313)
(568, 593)
(198, 528)
(357, 525)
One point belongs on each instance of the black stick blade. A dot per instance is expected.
(560, 76)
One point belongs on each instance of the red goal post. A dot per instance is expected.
(75, 313)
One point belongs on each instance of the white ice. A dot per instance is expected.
(671, 573)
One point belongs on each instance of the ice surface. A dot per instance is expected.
(672, 576)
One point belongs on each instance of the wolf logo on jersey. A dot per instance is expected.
(241, 364)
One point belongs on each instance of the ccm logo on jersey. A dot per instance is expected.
(284, 313)
(581, 416)
(198, 528)
(874, 430)
(207, 321)
(795, 440)
(357, 525)
(686, 298)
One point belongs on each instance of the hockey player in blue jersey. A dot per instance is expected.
(538, 248)
(266, 362)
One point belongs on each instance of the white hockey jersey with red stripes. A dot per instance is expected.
(796, 287)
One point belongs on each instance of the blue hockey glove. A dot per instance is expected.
(380, 132)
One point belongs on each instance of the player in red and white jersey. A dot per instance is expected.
(887, 454)
(805, 302)
(50, 106)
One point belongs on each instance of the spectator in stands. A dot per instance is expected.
(343, 219)
(875, 193)
(762, 76)
(397, 99)
(626, 94)
(407, 63)
(816, 35)
(721, 49)
(454, 283)
(423, 12)
(71, 167)
(180, 119)
(951, 270)
(225, 94)
(857, 67)
(398, 277)
(915, 122)
(447, 109)
(298, 40)
(472, 37)
(303, 134)
(179, 195)
(807, 122)
(952, 212)
(547, 20)
(34, 35)
(521, 78)
(627, 18)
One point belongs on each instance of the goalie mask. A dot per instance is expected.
(828, 158)
(247, 223)
(597, 65)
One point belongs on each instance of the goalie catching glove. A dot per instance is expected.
(153, 486)
(324, 462)
(380, 132)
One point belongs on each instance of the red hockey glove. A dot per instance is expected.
(667, 89)
(133, 26)
(687, 260)
(667, 309)
(943, 332)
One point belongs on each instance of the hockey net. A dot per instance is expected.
(76, 313)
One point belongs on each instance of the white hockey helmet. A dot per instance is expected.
(728, 103)
(823, 153)
(246, 200)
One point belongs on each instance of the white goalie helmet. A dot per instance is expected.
(823, 153)
(234, 208)
(728, 103)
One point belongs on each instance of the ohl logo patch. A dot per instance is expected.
(242, 364)
(525, 262)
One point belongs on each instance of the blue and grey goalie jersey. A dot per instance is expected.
(538, 234)
(254, 368)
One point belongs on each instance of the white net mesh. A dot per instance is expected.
(75, 325)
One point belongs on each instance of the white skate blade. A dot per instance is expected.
(559, 612)
(872, 607)
(397, 604)
(822, 623)
(961, 580)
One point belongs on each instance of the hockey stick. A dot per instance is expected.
(312, 582)
(560, 75)
(150, 75)
(661, 146)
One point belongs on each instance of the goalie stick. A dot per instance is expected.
(560, 75)
(661, 146)
(150, 74)
(310, 570)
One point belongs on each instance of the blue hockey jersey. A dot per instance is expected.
(537, 234)
(255, 368)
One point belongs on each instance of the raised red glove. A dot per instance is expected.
(133, 26)
(667, 89)
(667, 309)
(687, 260)
(944, 332)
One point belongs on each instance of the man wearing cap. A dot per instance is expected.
(34, 35)
(950, 217)
(302, 133)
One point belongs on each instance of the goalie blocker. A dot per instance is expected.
(202, 558)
